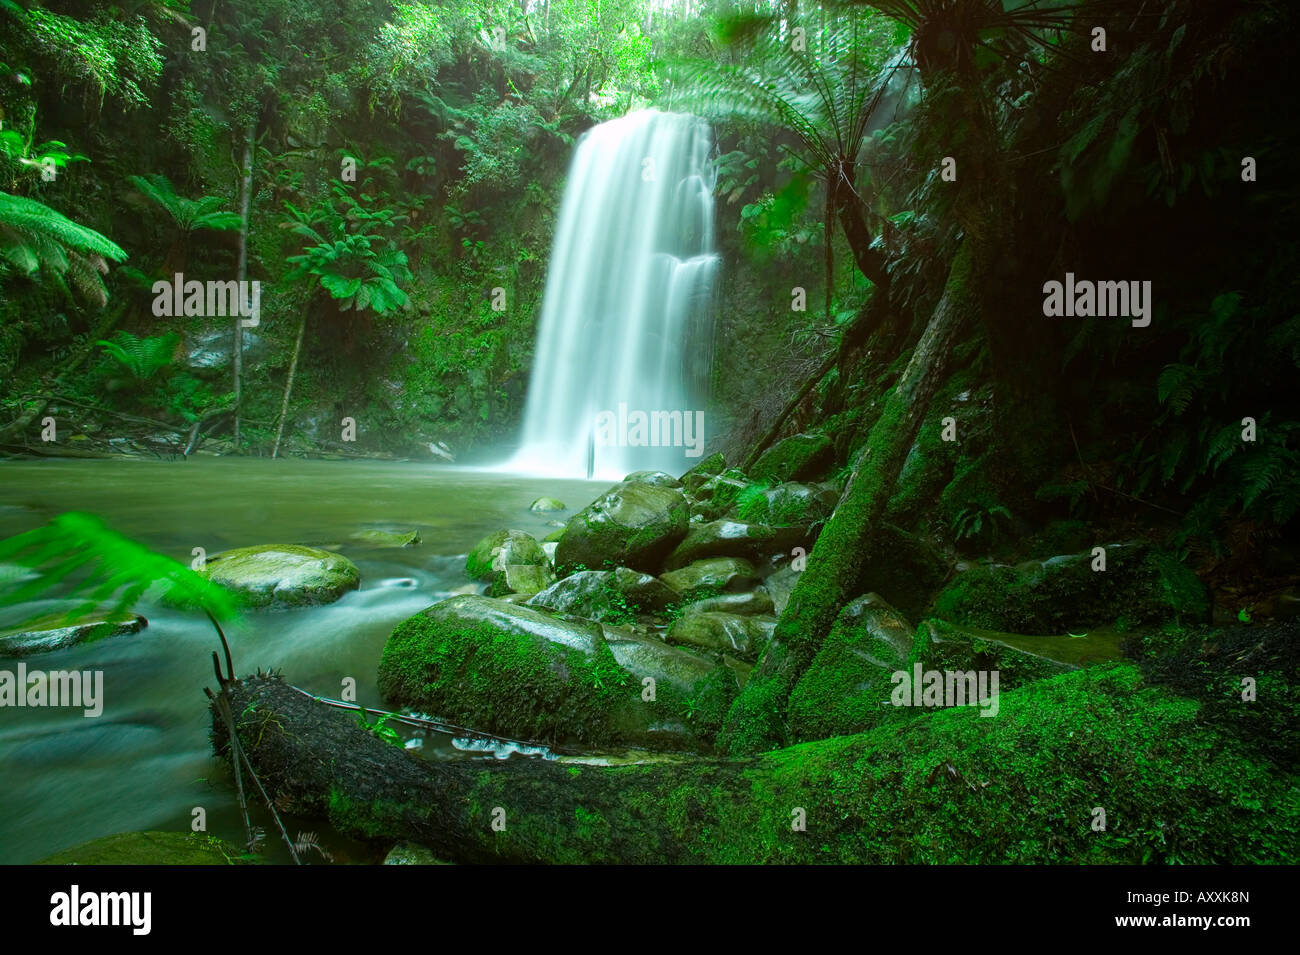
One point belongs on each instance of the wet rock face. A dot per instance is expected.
(606, 595)
(511, 562)
(284, 575)
(714, 575)
(39, 639)
(630, 525)
(742, 636)
(660, 478)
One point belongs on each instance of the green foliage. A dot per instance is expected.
(189, 215)
(113, 55)
(141, 358)
(36, 239)
(1232, 349)
(380, 728)
(361, 271)
(972, 521)
(99, 567)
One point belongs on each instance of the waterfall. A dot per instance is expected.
(622, 356)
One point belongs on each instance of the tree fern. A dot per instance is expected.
(143, 358)
(189, 215)
(35, 239)
(106, 570)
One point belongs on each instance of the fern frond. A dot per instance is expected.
(114, 569)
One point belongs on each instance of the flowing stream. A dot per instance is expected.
(626, 318)
(146, 761)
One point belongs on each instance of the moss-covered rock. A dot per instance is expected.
(1140, 585)
(660, 478)
(705, 469)
(407, 853)
(150, 848)
(940, 645)
(800, 457)
(489, 557)
(725, 538)
(717, 631)
(546, 505)
(377, 537)
(903, 568)
(716, 495)
(630, 525)
(749, 602)
(507, 669)
(512, 562)
(714, 575)
(606, 595)
(787, 504)
(42, 637)
(847, 688)
(284, 575)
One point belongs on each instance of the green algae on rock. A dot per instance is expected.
(284, 575)
(630, 525)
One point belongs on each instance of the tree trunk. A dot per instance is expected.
(241, 269)
(288, 386)
(941, 787)
(756, 720)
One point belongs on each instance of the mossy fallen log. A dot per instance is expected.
(948, 786)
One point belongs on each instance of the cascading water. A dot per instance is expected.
(623, 344)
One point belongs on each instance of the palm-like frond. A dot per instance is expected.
(142, 357)
(110, 569)
(189, 215)
(35, 238)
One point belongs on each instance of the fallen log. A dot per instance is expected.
(946, 786)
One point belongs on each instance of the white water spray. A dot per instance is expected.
(626, 320)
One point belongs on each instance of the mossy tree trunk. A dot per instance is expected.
(756, 720)
(945, 787)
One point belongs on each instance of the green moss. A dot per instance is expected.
(1139, 586)
(479, 675)
(800, 457)
(150, 848)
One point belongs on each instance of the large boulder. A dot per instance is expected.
(661, 478)
(714, 575)
(42, 638)
(283, 575)
(691, 693)
(788, 504)
(800, 457)
(606, 595)
(727, 538)
(718, 632)
(508, 669)
(511, 562)
(1140, 585)
(630, 525)
(750, 602)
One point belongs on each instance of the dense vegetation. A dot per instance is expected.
(897, 181)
